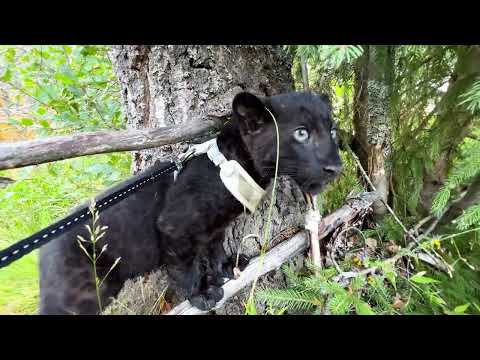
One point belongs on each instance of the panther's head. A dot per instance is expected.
(309, 151)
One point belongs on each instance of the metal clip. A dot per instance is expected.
(179, 165)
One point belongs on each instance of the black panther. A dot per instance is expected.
(181, 224)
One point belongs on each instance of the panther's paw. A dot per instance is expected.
(207, 300)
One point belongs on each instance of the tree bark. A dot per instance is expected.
(170, 85)
(372, 117)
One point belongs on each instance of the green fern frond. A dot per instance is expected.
(339, 304)
(292, 278)
(464, 171)
(317, 284)
(469, 218)
(472, 98)
(290, 298)
(440, 201)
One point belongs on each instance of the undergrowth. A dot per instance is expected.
(40, 196)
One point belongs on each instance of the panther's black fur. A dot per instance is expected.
(182, 224)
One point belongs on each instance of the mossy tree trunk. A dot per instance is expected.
(372, 125)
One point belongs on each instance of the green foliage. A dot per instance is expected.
(290, 298)
(463, 172)
(71, 88)
(318, 292)
(330, 56)
(386, 292)
(472, 98)
(40, 196)
(470, 218)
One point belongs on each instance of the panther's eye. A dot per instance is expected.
(301, 135)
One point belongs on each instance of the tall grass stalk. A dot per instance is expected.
(96, 232)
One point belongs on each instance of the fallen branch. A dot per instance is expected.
(286, 250)
(34, 152)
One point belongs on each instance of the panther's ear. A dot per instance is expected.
(250, 111)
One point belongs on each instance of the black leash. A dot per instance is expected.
(33, 242)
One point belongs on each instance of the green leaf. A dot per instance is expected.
(44, 123)
(67, 49)
(363, 308)
(88, 50)
(63, 78)
(7, 75)
(10, 55)
(41, 110)
(437, 300)
(250, 308)
(420, 279)
(390, 275)
(461, 309)
(26, 122)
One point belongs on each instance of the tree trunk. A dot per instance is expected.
(303, 63)
(373, 82)
(170, 85)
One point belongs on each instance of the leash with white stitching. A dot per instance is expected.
(234, 177)
(33, 242)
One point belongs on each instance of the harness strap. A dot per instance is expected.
(239, 182)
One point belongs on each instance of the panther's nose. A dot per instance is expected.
(333, 169)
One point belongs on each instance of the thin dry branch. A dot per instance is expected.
(34, 152)
(427, 257)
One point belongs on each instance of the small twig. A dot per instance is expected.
(421, 223)
(367, 178)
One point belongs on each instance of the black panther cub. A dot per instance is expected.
(181, 224)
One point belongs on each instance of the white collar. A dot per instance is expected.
(235, 178)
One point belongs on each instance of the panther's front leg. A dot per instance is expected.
(222, 264)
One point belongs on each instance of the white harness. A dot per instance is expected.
(235, 178)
